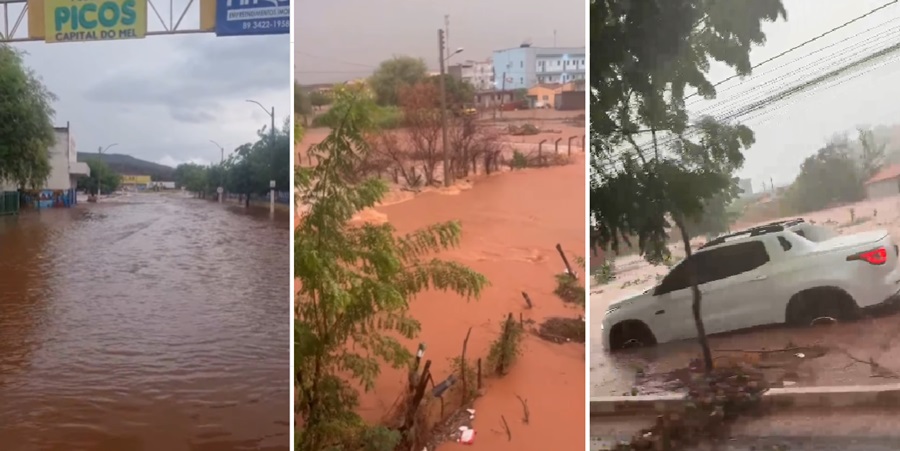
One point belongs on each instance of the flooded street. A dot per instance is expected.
(149, 322)
(643, 371)
(510, 225)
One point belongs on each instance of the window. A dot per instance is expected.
(716, 264)
(676, 279)
(728, 261)
(785, 244)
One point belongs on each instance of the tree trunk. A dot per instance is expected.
(695, 290)
(247, 200)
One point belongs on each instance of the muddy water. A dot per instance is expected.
(152, 322)
(511, 223)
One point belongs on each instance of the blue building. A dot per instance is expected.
(525, 66)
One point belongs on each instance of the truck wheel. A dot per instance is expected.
(821, 305)
(630, 335)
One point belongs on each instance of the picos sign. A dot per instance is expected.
(94, 20)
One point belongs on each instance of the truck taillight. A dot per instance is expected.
(873, 257)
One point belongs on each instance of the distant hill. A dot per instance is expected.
(126, 164)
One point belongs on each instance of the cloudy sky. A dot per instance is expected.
(371, 31)
(163, 98)
(791, 130)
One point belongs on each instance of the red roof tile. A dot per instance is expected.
(886, 173)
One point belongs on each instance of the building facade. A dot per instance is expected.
(885, 183)
(525, 66)
(132, 182)
(60, 188)
(479, 74)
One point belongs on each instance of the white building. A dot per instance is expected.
(65, 169)
(525, 66)
(479, 74)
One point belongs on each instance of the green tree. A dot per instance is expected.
(395, 73)
(872, 153)
(830, 176)
(110, 180)
(302, 103)
(639, 76)
(717, 217)
(192, 177)
(319, 99)
(26, 128)
(459, 92)
(355, 283)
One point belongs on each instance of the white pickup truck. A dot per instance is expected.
(789, 272)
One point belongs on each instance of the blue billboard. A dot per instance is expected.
(252, 17)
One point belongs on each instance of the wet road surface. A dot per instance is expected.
(154, 322)
(840, 429)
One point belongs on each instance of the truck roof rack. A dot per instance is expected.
(771, 227)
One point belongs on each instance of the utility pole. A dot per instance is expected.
(100, 151)
(502, 93)
(444, 109)
(554, 38)
(221, 189)
(447, 35)
(272, 163)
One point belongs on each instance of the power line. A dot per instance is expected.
(336, 60)
(799, 88)
(816, 38)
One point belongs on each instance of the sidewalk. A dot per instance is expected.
(845, 429)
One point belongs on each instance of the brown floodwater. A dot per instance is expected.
(150, 322)
(511, 224)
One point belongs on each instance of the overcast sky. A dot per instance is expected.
(371, 31)
(163, 98)
(796, 128)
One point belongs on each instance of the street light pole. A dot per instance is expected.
(443, 87)
(272, 145)
(100, 151)
(221, 190)
(444, 109)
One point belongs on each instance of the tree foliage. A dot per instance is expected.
(872, 154)
(395, 73)
(459, 92)
(355, 282)
(832, 175)
(640, 74)
(246, 171)
(26, 128)
(319, 99)
(109, 179)
(717, 217)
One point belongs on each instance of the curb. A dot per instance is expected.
(885, 396)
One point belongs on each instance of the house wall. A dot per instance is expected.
(61, 154)
(544, 94)
(569, 100)
(884, 188)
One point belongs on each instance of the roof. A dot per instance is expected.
(886, 173)
(551, 86)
